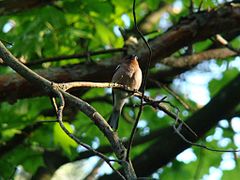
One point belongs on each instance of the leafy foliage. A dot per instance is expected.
(70, 27)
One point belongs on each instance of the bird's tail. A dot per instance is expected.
(113, 120)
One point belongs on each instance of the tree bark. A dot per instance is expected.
(194, 28)
(13, 6)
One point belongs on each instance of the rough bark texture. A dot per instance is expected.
(13, 6)
(196, 27)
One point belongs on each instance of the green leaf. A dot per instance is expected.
(103, 8)
(216, 85)
(104, 34)
(30, 159)
(62, 139)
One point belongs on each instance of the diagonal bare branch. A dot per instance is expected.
(50, 88)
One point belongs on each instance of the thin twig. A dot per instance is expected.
(148, 100)
(54, 104)
(200, 145)
(191, 7)
(200, 6)
(81, 55)
(6, 42)
(143, 84)
(72, 56)
(11, 177)
(176, 129)
(177, 119)
(226, 44)
(94, 171)
(70, 85)
(156, 104)
(170, 91)
(60, 117)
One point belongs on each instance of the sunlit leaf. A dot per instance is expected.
(62, 139)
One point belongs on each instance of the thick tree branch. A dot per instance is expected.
(194, 28)
(13, 6)
(194, 59)
(14, 87)
(197, 27)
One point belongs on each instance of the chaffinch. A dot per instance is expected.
(129, 74)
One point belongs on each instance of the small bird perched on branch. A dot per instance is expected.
(129, 74)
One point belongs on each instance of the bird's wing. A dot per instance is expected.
(117, 68)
